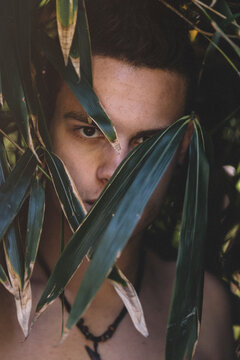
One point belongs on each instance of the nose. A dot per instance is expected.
(109, 161)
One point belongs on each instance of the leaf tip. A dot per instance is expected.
(64, 336)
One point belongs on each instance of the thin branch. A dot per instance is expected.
(198, 2)
(201, 5)
(203, 32)
(22, 151)
(44, 172)
(215, 11)
(12, 141)
(224, 55)
(206, 33)
(225, 36)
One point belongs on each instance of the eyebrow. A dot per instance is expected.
(149, 133)
(79, 116)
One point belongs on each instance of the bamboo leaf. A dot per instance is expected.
(116, 234)
(11, 244)
(70, 201)
(15, 65)
(74, 211)
(186, 305)
(11, 81)
(14, 190)
(66, 22)
(81, 89)
(14, 261)
(21, 292)
(115, 199)
(5, 280)
(22, 32)
(34, 226)
(130, 299)
(13, 256)
(81, 45)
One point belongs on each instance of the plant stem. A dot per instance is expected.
(12, 141)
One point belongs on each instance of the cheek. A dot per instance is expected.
(70, 153)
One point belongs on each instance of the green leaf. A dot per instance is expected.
(11, 79)
(13, 256)
(4, 279)
(15, 65)
(22, 32)
(34, 226)
(73, 210)
(14, 190)
(81, 89)
(66, 22)
(11, 241)
(223, 26)
(125, 194)
(81, 46)
(14, 262)
(186, 304)
(66, 11)
(70, 201)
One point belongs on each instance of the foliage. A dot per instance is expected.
(27, 164)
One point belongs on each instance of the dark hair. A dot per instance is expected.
(141, 33)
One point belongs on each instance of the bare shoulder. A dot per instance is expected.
(216, 339)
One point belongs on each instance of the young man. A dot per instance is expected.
(142, 76)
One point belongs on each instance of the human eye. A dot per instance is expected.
(139, 140)
(89, 132)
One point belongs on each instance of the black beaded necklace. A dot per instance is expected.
(107, 334)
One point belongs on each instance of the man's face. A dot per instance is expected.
(138, 100)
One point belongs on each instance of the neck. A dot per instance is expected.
(106, 304)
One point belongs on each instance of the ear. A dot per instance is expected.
(185, 143)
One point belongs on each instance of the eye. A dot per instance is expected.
(90, 132)
(139, 140)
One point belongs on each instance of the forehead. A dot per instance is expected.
(135, 98)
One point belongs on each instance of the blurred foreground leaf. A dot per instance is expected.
(14, 190)
(123, 201)
(186, 305)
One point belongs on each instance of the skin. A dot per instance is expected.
(139, 102)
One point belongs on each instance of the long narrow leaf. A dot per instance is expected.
(81, 89)
(186, 305)
(34, 226)
(122, 225)
(23, 13)
(21, 292)
(115, 194)
(69, 199)
(81, 44)
(14, 190)
(14, 262)
(11, 241)
(66, 22)
(74, 212)
(4, 280)
(11, 79)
